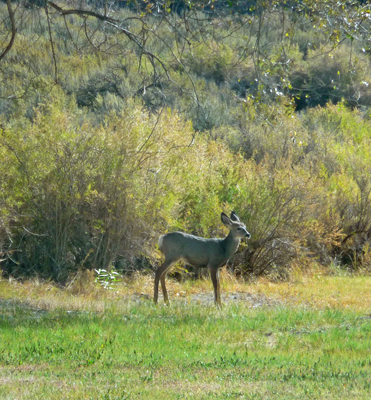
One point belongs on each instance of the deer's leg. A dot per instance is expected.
(160, 276)
(164, 291)
(214, 274)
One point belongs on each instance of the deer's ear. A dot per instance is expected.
(225, 219)
(234, 217)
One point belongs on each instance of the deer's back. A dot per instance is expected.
(192, 249)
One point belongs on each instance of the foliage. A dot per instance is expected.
(107, 141)
(83, 194)
(301, 49)
(332, 75)
(107, 279)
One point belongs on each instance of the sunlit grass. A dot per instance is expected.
(315, 290)
(84, 342)
(321, 291)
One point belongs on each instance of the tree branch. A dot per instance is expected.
(52, 46)
(79, 12)
(114, 23)
(14, 30)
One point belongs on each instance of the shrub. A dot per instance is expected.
(339, 150)
(282, 207)
(332, 75)
(211, 61)
(79, 195)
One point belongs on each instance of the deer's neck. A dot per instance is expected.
(231, 244)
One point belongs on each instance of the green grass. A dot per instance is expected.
(140, 351)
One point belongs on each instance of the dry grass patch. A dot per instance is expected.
(316, 290)
(319, 290)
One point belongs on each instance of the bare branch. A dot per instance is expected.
(52, 46)
(14, 30)
(79, 12)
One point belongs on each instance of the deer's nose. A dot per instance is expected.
(248, 235)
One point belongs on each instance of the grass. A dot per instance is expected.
(87, 343)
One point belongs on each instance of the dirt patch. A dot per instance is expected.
(10, 307)
(206, 298)
(249, 299)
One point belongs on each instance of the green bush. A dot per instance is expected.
(211, 61)
(339, 150)
(329, 74)
(79, 195)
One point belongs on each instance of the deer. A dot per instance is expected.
(200, 252)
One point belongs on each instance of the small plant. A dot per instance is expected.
(107, 279)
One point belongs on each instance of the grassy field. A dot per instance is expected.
(309, 338)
